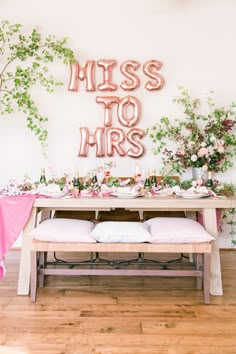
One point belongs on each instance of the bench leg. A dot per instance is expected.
(199, 266)
(206, 277)
(42, 260)
(33, 276)
(91, 260)
(191, 257)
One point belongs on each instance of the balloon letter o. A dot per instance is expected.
(122, 111)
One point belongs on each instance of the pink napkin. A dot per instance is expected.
(2, 269)
(14, 213)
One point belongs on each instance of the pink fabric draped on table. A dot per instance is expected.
(218, 218)
(14, 213)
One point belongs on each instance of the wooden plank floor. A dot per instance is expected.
(118, 315)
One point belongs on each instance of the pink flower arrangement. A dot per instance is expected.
(207, 141)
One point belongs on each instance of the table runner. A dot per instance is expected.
(14, 214)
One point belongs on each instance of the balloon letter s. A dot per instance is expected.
(127, 69)
(150, 68)
(133, 136)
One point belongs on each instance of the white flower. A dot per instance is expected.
(203, 144)
(212, 138)
(194, 158)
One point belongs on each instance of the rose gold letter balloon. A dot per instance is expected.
(122, 111)
(115, 138)
(87, 139)
(78, 73)
(74, 76)
(150, 69)
(127, 69)
(107, 66)
(133, 137)
(108, 102)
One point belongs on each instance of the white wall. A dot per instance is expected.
(193, 39)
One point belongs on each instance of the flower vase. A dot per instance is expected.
(199, 173)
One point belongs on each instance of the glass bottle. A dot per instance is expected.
(94, 179)
(209, 180)
(147, 183)
(42, 177)
(154, 179)
(76, 182)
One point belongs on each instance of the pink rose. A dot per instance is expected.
(202, 152)
(221, 149)
(181, 152)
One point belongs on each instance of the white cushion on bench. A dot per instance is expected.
(121, 231)
(177, 230)
(63, 230)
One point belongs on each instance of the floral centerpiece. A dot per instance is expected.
(206, 141)
(106, 167)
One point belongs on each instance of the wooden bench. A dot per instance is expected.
(201, 271)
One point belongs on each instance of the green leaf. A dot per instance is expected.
(22, 56)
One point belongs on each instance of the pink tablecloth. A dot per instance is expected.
(14, 213)
(218, 218)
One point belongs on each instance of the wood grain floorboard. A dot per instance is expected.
(3, 338)
(147, 349)
(34, 349)
(118, 315)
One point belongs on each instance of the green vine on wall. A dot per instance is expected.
(229, 217)
(24, 63)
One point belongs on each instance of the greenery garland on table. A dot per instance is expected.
(24, 59)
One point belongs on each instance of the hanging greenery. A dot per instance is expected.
(24, 63)
(229, 217)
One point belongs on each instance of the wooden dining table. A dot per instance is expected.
(207, 206)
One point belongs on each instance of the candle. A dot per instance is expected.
(137, 170)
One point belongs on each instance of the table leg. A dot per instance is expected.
(210, 223)
(24, 272)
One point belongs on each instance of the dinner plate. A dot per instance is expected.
(126, 195)
(162, 194)
(193, 195)
(53, 195)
